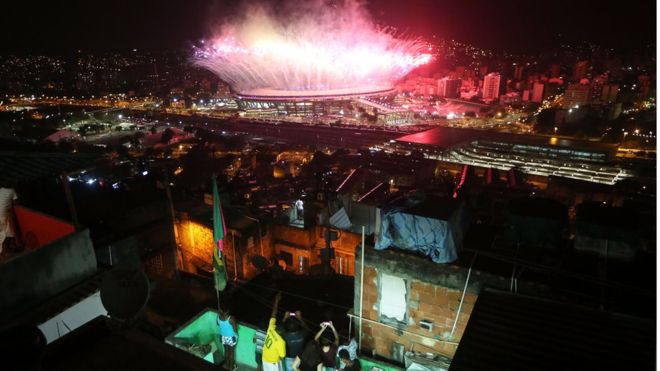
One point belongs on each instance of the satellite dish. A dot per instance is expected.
(260, 262)
(124, 292)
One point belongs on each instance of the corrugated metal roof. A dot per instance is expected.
(25, 166)
(515, 332)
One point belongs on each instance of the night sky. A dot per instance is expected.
(514, 25)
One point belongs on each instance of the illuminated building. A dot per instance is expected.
(525, 95)
(580, 70)
(518, 72)
(597, 88)
(609, 93)
(491, 88)
(537, 92)
(644, 86)
(448, 87)
(576, 95)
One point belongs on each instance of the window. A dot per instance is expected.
(287, 257)
(393, 297)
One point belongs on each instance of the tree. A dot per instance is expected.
(167, 135)
(135, 139)
(121, 150)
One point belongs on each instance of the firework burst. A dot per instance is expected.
(316, 46)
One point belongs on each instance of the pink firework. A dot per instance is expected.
(316, 46)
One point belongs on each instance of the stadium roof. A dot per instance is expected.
(445, 137)
(514, 332)
(296, 95)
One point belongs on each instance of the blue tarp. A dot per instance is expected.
(438, 238)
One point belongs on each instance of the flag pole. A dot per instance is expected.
(215, 247)
(217, 297)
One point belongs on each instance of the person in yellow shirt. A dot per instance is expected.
(274, 346)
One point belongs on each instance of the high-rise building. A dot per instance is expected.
(576, 95)
(580, 70)
(426, 86)
(597, 88)
(554, 70)
(448, 87)
(644, 86)
(491, 87)
(609, 93)
(525, 95)
(537, 92)
(518, 72)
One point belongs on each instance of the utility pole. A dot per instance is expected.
(328, 253)
(170, 201)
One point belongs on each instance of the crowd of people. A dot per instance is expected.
(288, 345)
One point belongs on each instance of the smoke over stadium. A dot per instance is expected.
(306, 47)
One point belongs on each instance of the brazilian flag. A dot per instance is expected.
(219, 231)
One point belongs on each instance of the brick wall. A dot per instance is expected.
(432, 293)
(425, 301)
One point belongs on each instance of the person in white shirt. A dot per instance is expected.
(351, 348)
(7, 198)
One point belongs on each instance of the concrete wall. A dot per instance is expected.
(151, 246)
(42, 273)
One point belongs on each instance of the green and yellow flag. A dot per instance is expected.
(219, 231)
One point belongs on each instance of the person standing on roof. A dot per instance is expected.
(294, 335)
(228, 336)
(348, 363)
(7, 199)
(274, 346)
(328, 347)
(351, 348)
(309, 359)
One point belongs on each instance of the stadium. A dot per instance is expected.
(314, 102)
(305, 65)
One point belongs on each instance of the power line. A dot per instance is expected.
(299, 296)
